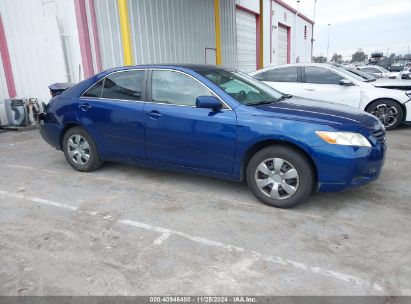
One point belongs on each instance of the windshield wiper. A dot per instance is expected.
(285, 96)
(262, 102)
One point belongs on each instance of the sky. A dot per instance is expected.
(373, 25)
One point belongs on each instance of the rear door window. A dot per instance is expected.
(321, 76)
(95, 90)
(127, 85)
(289, 74)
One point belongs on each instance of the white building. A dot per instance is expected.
(44, 42)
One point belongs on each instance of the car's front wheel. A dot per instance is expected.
(388, 112)
(280, 176)
(80, 150)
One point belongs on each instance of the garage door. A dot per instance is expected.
(246, 41)
(282, 44)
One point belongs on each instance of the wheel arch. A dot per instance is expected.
(270, 142)
(67, 127)
(403, 107)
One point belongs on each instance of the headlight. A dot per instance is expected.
(344, 138)
(408, 94)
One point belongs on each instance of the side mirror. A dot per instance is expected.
(345, 82)
(208, 102)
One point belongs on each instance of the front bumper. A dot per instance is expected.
(407, 106)
(342, 167)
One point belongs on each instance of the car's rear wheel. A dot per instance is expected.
(280, 176)
(388, 112)
(80, 150)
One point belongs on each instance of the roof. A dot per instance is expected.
(189, 66)
(290, 8)
(326, 65)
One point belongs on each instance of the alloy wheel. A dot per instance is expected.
(277, 178)
(387, 114)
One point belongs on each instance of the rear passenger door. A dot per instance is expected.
(324, 84)
(285, 80)
(113, 112)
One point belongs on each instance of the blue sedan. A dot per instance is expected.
(216, 122)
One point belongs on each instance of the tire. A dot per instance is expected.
(274, 193)
(388, 111)
(80, 150)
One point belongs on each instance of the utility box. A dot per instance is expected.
(3, 115)
(16, 112)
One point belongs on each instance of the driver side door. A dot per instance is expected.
(178, 133)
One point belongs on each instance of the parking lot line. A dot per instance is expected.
(38, 200)
(77, 174)
(166, 233)
(274, 259)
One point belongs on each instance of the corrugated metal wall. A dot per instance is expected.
(228, 33)
(166, 31)
(35, 48)
(109, 33)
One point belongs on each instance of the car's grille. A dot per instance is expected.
(379, 135)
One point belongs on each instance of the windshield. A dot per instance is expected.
(383, 69)
(242, 87)
(349, 73)
(366, 76)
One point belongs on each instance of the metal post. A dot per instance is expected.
(312, 33)
(328, 43)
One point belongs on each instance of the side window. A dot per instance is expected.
(263, 76)
(95, 90)
(289, 74)
(126, 85)
(321, 76)
(176, 88)
(371, 70)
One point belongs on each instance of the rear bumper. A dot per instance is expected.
(349, 167)
(50, 131)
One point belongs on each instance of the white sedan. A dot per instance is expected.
(380, 72)
(334, 84)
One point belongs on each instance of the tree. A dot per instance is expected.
(359, 56)
(319, 59)
(377, 55)
(392, 56)
(337, 58)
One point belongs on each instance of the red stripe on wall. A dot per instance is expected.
(95, 35)
(5, 56)
(84, 37)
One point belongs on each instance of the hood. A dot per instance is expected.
(391, 74)
(320, 112)
(394, 83)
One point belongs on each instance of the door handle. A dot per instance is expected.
(85, 107)
(309, 89)
(154, 114)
